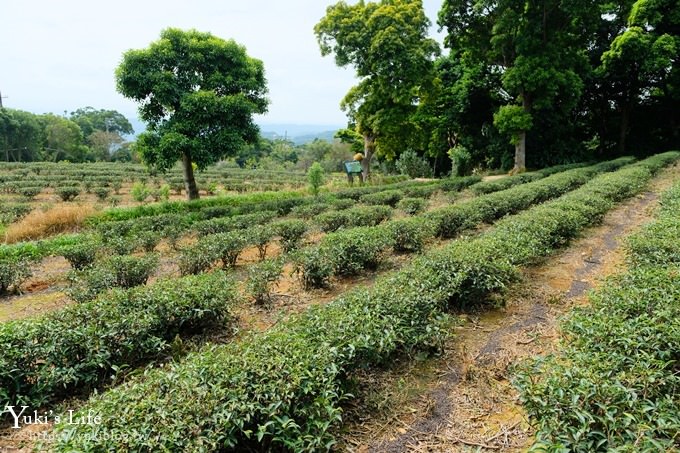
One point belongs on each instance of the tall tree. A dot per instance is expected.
(642, 63)
(198, 94)
(90, 120)
(537, 46)
(387, 44)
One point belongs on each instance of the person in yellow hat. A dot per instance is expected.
(358, 157)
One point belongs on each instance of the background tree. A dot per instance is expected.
(197, 93)
(387, 43)
(21, 136)
(90, 120)
(63, 139)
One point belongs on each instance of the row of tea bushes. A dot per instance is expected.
(283, 388)
(450, 220)
(614, 385)
(510, 181)
(80, 346)
(361, 249)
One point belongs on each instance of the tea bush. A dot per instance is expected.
(261, 278)
(386, 197)
(68, 193)
(412, 206)
(356, 249)
(290, 232)
(78, 348)
(313, 266)
(613, 385)
(283, 388)
(83, 253)
(13, 272)
(409, 235)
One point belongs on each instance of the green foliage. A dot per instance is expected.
(356, 249)
(409, 235)
(456, 184)
(68, 193)
(79, 347)
(225, 246)
(461, 161)
(612, 384)
(511, 120)
(235, 223)
(29, 192)
(140, 192)
(261, 277)
(315, 177)
(313, 266)
(290, 233)
(13, 272)
(386, 197)
(411, 164)
(303, 364)
(202, 111)
(412, 206)
(102, 193)
(81, 254)
(196, 259)
(125, 271)
(260, 236)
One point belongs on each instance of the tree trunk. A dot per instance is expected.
(521, 145)
(520, 153)
(369, 150)
(189, 181)
(623, 132)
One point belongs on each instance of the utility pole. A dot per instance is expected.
(1, 97)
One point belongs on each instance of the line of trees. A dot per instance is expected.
(85, 135)
(523, 83)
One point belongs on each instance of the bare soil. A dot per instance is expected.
(464, 400)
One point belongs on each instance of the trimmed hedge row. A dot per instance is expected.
(353, 217)
(80, 346)
(283, 388)
(615, 383)
(451, 220)
(522, 178)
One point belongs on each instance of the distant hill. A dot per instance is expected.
(297, 133)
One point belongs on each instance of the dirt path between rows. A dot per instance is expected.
(465, 400)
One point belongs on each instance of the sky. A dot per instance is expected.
(58, 56)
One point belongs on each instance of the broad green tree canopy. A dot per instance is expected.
(198, 94)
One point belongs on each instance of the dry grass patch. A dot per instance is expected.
(39, 224)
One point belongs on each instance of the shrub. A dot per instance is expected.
(102, 193)
(456, 184)
(421, 191)
(261, 278)
(226, 246)
(147, 240)
(310, 210)
(120, 245)
(116, 271)
(68, 193)
(81, 254)
(82, 346)
(260, 236)
(332, 221)
(140, 192)
(13, 272)
(239, 222)
(355, 249)
(411, 164)
(291, 233)
(30, 192)
(196, 258)
(461, 161)
(117, 184)
(315, 177)
(387, 197)
(161, 193)
(368, 215)
(409, 235)
(301, 367)
(313, 266)
(412, 206)
(9, 212)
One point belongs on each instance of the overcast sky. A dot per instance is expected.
(61, 55)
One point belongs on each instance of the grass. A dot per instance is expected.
(40, 224)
